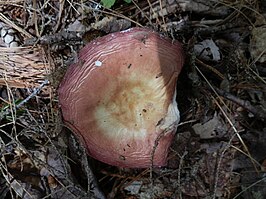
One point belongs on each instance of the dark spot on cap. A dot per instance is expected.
(158, 75)
(121, 157)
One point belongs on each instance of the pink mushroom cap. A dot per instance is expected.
(120, 97)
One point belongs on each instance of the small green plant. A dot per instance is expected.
(110, 3)
(5, 110)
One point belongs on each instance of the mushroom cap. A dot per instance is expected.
(119, 98)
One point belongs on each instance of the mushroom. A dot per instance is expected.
(120, 97)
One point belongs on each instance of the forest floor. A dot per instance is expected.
(220, 146)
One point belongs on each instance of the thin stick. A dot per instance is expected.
(34, 93)
(259, 112)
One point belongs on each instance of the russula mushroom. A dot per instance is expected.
(119, 97)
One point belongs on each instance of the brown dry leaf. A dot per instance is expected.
(52, 182)
(111, 24)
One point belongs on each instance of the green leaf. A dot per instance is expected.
(127, 1)
(108, 3)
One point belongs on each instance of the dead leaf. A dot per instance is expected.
(211, 129)
(207, 50)
(257, 46)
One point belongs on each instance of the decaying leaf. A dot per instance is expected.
(207, 50)
(258, 44)
(211, 129)
(111, 24)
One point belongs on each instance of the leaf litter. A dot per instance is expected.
(219, 150)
